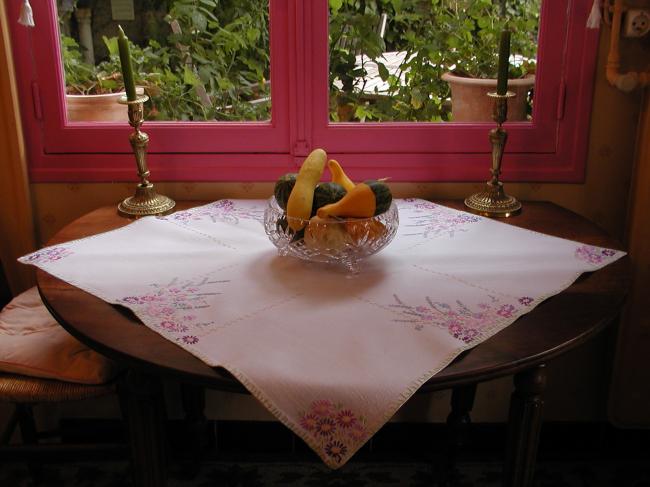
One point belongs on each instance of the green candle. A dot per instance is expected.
(504, 64)
(125, 61)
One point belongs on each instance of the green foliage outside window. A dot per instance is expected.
(214, 63)
(213, 66)
(436, 36)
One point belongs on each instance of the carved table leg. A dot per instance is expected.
(143, 407)
(458, 421)
(524, 425)
(196, 435)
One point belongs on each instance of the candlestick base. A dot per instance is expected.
(145, 202)
(493, 202)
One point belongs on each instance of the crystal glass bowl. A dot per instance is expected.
(334, 241)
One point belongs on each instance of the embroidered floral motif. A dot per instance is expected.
(431, 220)
(309, 422)
(460, 321)
(525, 300)
(506, 310)
(346, 419)
(190, 339)
(219, 211)
(336, 449)
(322, 407)
(169, 307)
(593, 255)
(326, 427)
(48, 255)
(334, 428)
(173, 327)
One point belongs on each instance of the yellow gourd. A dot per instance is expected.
(339, 176)
(301, 198)
(359, 202)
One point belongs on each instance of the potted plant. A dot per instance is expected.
(471, 32)
(91, 91)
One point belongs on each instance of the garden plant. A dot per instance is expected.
(213, 63)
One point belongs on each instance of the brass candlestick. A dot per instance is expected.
(494, 202)
(145, 201)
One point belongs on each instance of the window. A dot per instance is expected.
(549, 147)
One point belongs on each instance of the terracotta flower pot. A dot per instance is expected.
(97, 108)
(470, 103)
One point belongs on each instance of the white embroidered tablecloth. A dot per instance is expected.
(332, 357)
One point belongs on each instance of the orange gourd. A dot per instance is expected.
(359, 202)
(339, 176)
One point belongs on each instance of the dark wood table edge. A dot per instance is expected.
(231, 384)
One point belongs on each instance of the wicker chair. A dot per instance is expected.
(26, 391)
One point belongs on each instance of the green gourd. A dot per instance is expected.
(326, 193)
(283, 188)
(383, 196)
(365, 200)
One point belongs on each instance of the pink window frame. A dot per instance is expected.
(551, 148)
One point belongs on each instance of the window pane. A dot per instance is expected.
(197, 60)
(389, 58)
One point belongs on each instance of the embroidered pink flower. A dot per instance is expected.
(346, 419)
(593, 255)
(326, 427)
(226, 205)
(335, 430)
(189, 317)
(431, 220)
(336, 449)
(525, 300)
(49, 255)
(174, 327)
(223, 210)
(190, 339)
(309, 422)
(506, 310)
(461, 321)
(322, 407)
(469, 335)
(357, 432)
(455, 328)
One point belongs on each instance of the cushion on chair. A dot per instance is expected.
(33, 343)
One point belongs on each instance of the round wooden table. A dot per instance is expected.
(556, 326)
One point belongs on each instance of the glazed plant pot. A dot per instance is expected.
(470, 103)
(97, 108)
